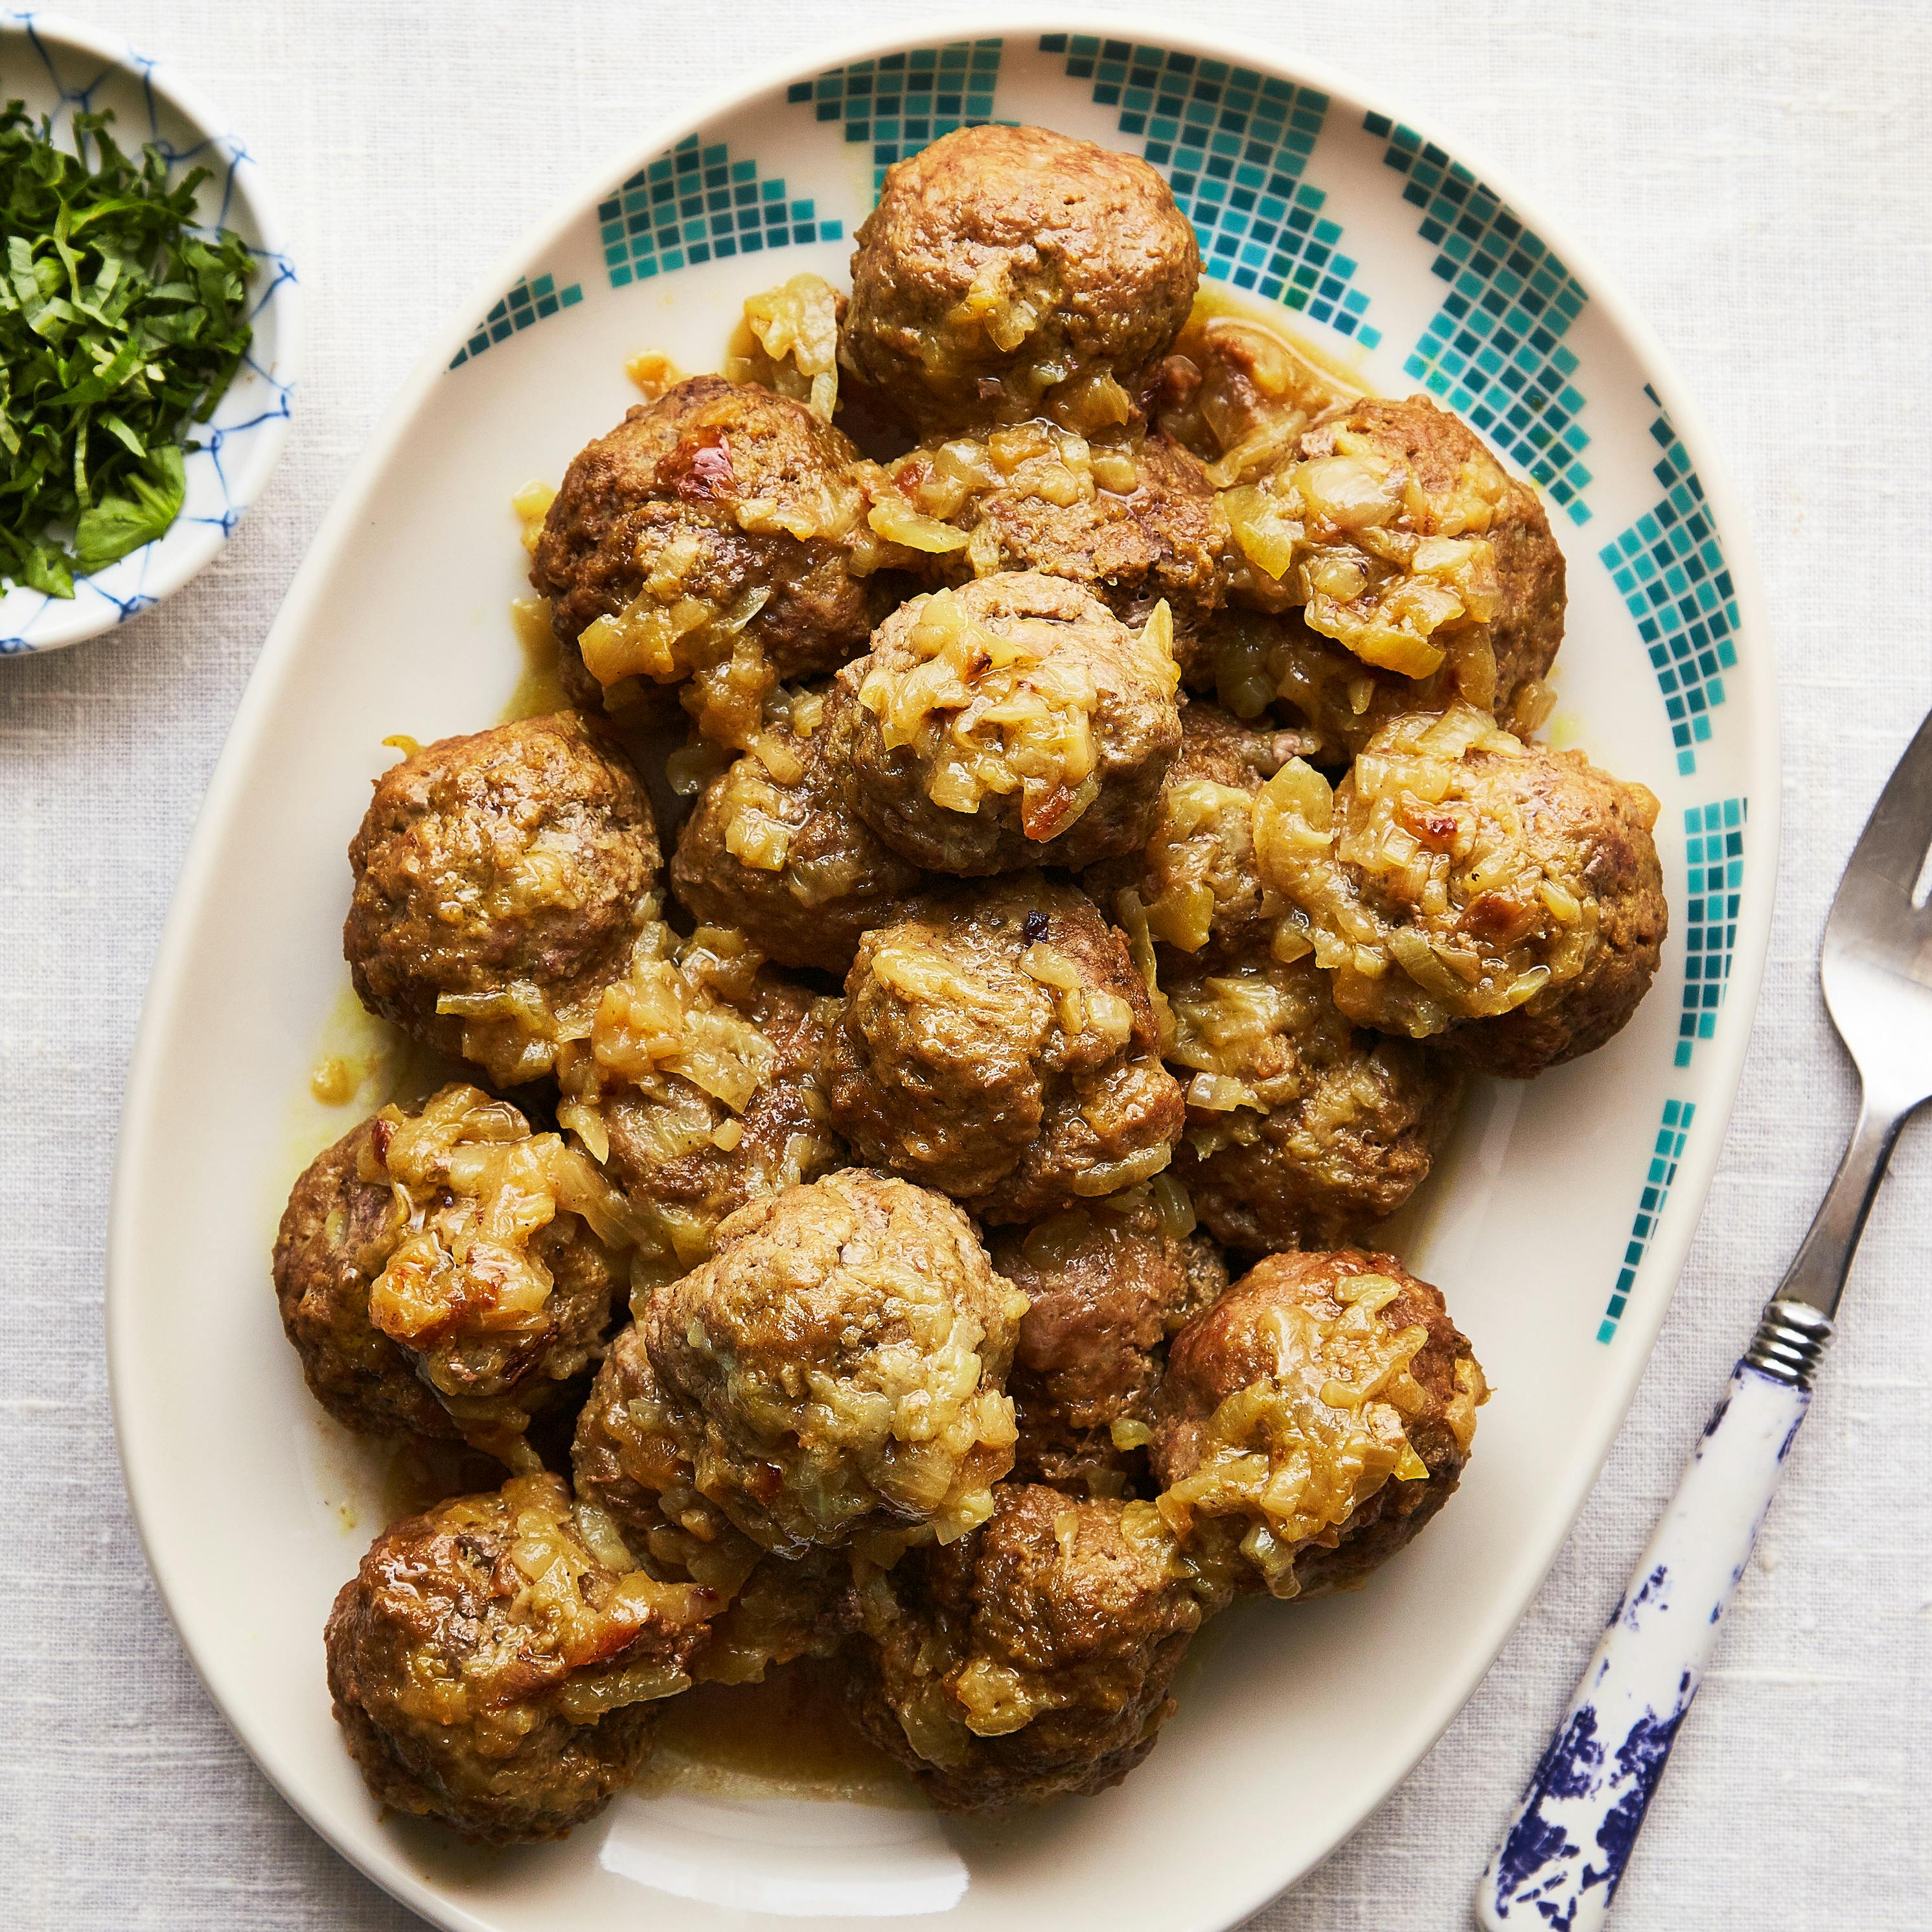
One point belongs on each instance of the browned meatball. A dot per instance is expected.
(634, 1457)
(1423, 575)
(1015, 721)
(1105, 1285)
(1312, 1421)
(500, 879)
(1030, 1661)
(446, 1273)
(716, 540)
(1134, 520)
(1006, 269)
(495, 1663)
(1460, 883)
(1195, 878)
(1304, 1130)
(999, 1044)
(775, 849)
(845, 1353)
(698, 1089)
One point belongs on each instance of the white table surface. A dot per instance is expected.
(1754, 176)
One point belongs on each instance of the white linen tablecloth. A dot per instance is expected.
(1754, 174)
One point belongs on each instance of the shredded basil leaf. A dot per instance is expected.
(120, 325)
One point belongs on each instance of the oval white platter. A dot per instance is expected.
(1556, 1227)
(60, 68)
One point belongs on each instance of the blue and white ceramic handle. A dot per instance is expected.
(1560, 1861)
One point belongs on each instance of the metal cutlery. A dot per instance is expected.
(1560, 1861)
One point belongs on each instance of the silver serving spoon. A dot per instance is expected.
(1560, 1861)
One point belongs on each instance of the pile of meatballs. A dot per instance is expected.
(926, 1226)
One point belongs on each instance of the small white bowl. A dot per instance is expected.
(57, 66)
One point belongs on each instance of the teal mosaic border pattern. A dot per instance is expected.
(529, 301)
(1667, 1151)
(1669, 568)
(693, 204)
(1494, 350)
(902, 102)
(1714, 855)
(1233, 145)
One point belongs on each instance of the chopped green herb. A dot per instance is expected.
(120, 326)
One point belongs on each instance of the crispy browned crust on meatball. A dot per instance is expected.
(462, 1697)
(634, 1457)
(1002, 264)
(1105, 1286)
(1030, 1661)
(999, 1044)
(1335, 1126)
(1506, 898)
(519, 857)
(700, 496)
(1065, 745)
(844, 1355)
(784, 1135)
(1144, 523)
(463, 1371)
(774, 849)
(1362, 1480)
(1435, 445)
(337, 1235)
(1195, 877)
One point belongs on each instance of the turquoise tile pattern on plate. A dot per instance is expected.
(1668, 1150)
(1669, 568)
(902, 102)
(1714, 849)
(698, 203)
(1494, 351)
(1233, 145)
(529, 301)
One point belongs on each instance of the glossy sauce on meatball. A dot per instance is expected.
(634, 1457)
(1015, 721)
(1105, 1285)
(845, 1352)
(999, 1043)
(1005, 269)
(697, 1089)
(716, 541)
(500, 880)
(446, 1272)
(774, 848)
(495, 1663)
(1460, 883)
(1304, 1130)
(1405, 569)
(1195, 880)
(1312, 1421)
(1132, 518)
(1029, 1661)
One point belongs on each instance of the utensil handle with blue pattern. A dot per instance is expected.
(1561, 1860)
